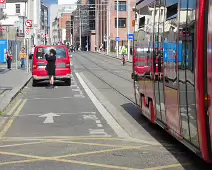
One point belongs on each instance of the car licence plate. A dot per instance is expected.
(41, 66)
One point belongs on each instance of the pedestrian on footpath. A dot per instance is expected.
(9, 59)
(50, 67)
(23, 57)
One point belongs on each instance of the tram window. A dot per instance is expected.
(141, 22)
(144, 42)
(171, 10)
(170, 52)
(186, 59)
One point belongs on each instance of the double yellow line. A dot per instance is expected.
(14, 112)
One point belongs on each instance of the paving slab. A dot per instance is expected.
(12, 83)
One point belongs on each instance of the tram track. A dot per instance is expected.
(102, 55)
(105, 68)
(114, 88)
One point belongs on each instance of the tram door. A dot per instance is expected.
(209, 68)
(158, 63)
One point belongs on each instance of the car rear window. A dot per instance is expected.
(60, 53)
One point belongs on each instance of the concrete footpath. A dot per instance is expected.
(11, 82)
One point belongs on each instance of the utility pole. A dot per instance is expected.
(128, 49)
(80, 31)
(101, 23)
(7, 30)
(107, 30)
(87, 42)
(117, 28)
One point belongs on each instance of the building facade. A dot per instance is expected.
(44, 21)
(109, 11)
(17, 12)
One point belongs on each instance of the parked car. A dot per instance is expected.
(63, 68)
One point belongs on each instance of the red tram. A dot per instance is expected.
(172, 69)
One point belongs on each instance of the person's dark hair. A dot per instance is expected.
(52, 51)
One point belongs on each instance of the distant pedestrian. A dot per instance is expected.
(23, 57)
(9, 59)
(50, 67)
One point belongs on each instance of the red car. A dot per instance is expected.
(63, 69)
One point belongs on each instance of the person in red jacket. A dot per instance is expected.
(9, 59)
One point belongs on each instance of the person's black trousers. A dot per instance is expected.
(9, 62)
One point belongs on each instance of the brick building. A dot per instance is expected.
(62, 25)
(101, 22)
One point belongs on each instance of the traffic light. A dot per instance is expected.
(133, 23)
(45, 40)
(17, 32)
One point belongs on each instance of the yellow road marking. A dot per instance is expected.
(167, 166)
(24, 155)
(3, 121)
(95, 152)
(92, 144)
(9, 123)
(28, 143)
(41, 158)
(19, 108)
(86, 138)
(14, 107)
(117, 139)
(18, 162)
(95, 164)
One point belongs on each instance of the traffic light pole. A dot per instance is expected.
(128, 49)
(117, 28)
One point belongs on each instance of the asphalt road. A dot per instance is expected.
(92, 124)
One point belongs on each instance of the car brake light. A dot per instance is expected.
(67, 65)
(34, 66)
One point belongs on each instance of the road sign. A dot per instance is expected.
(117, 39)
(130, 37)
(43, 35)
(3, 4)
(28, 23)
(27, 33)
(1, 29)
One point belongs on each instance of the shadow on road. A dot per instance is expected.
(169, 143)
(46, 84)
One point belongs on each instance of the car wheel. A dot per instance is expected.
(68, 82)
(34, 83)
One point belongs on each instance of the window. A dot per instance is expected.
(161, 12)
(17, 8)
(141, 22)
(121, 5)
(60, 53)
(121, 23)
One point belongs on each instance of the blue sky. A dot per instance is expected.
(49, 2)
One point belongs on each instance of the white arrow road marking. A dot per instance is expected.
(49, 117)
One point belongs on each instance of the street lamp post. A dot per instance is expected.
(117, 28)
(128, 50)
(107, 30)
(80, 30)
